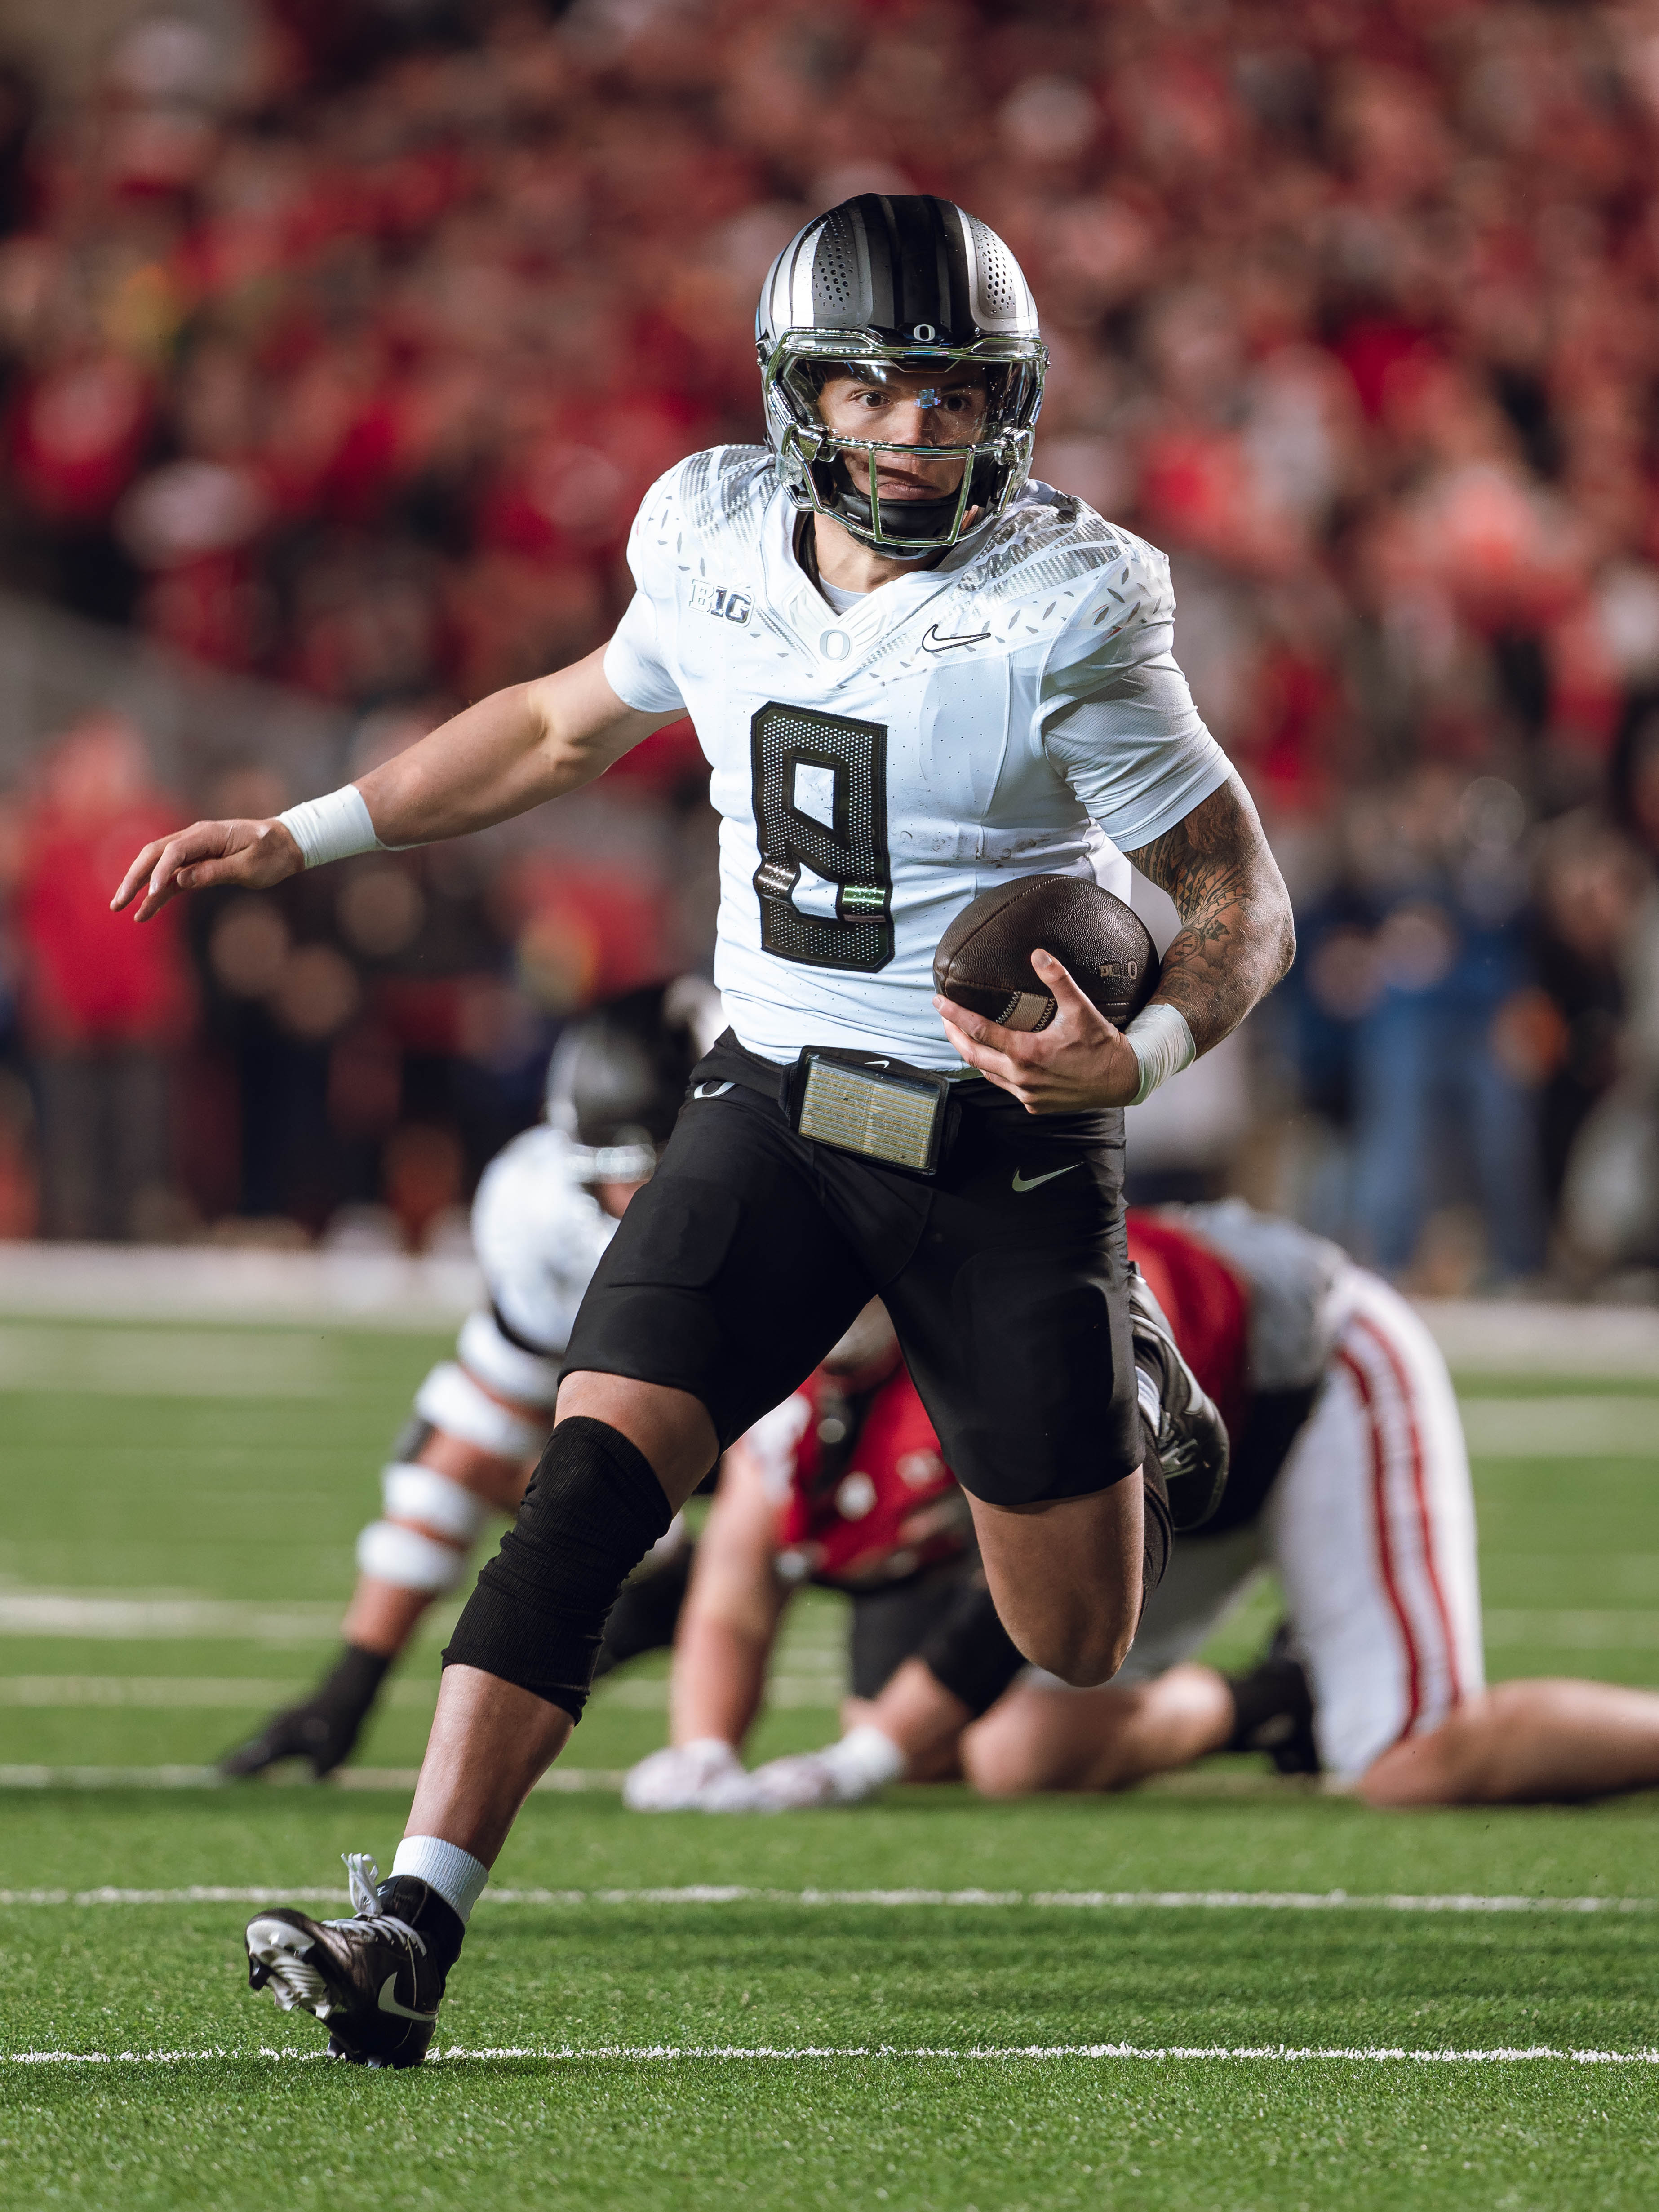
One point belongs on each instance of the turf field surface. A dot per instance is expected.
(860, 2008)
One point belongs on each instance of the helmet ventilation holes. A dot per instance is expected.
(835, 266)
(1001, 293)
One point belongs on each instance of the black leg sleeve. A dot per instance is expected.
(593, 1510)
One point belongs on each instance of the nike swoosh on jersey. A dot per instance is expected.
(389, 2002)
(933, 643)
(1021, 1184)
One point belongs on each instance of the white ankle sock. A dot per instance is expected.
(457, 1876)
(1152, 1402)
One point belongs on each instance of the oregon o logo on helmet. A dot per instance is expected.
(925, 331)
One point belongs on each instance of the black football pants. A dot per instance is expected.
(751, 1250)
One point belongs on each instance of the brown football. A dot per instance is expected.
(984, 959)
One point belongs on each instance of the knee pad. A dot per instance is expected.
(437, 1501)
(530, 1378)
(408, 1560)
(537, 1616)
(411, 1558)
(450, 1400)
(969, 1652)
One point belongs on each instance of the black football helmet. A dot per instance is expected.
(889, 282)
(617, 1075)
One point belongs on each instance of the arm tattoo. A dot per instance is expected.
(1238, 937)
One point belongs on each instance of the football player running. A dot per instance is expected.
(546, 1207)
(915, 675)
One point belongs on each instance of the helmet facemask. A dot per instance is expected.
(830, 472)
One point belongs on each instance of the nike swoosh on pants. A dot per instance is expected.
(1021, 1184)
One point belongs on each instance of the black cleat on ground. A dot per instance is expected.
(1273, 1708)
(1192, 1437)
(375, 1981)
(322, 1729)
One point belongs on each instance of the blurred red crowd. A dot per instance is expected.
(342, 350)
(364, 1038)
(356, 373)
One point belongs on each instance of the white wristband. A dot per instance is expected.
(332, 828)
(865, 1760)
(1162, 1044)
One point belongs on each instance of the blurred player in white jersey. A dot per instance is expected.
(916, 676)
(547, 1207)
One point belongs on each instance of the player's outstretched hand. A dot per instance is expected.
(1079, 1064)
(255, 854)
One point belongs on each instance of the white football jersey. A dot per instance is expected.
(539, 1234)
(1004, 714)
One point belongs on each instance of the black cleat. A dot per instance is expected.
(322, 1729)
(375, 1981)
(1192, 1437)
(1273, 1708)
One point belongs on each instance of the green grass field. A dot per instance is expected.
(178, 1513)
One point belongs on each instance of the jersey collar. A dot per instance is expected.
(842, 642)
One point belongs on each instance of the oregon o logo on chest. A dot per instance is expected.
(834, 645)
(925, 331)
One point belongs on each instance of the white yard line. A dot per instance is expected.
(110, 1777)
(1086, 1900)
(305, 1289)
(1268, 2053)
(61, 1692)
(1505, 1336)
(119, 1617)
(560, 1781)
(133, 1615)
(170, 1363)
(386, 1290)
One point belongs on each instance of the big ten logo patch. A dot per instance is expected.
(721, 601)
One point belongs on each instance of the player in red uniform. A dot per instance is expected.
(1350, 1477)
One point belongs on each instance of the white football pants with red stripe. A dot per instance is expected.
(1371, 1530)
